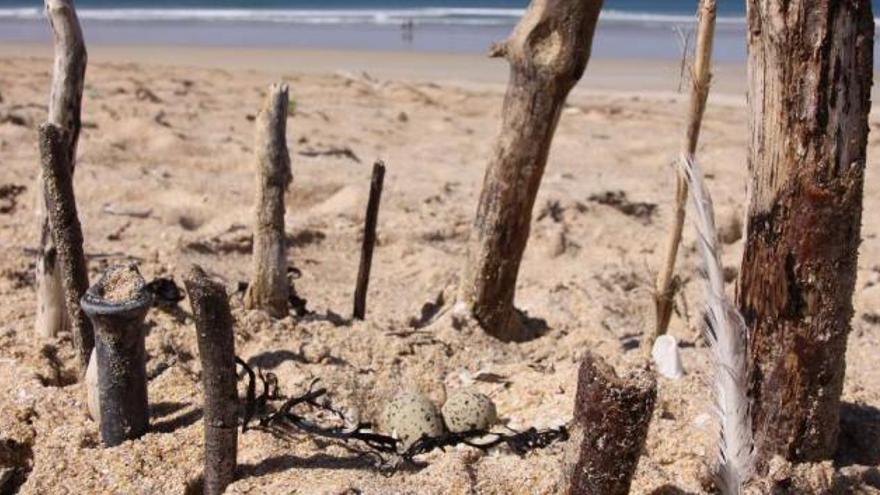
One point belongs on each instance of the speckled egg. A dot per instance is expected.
(409, 416)
(467, 410)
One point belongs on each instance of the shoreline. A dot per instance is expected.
(604, 75)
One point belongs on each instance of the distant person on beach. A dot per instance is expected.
(406, 30)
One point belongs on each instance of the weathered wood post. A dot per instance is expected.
(216, 342)
(548, 53)
(64, 227)
(664, 291)
(269, 288)
(117, 304)
(65, 100)
(611, 420)
(370, 222)
(810, 71)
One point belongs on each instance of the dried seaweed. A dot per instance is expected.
(383, 448)
(9, 194)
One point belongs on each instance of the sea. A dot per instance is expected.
(635, 29)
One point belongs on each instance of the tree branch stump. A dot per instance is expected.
(548, 53)
(611, 420)
(269, 288)
(810, 76)
(67, 237)
(214, 331)
(370, 221)
(117, 304)
(64, 111)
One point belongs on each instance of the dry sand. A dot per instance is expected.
(165, 176)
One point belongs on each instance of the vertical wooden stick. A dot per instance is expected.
(64, 111)
(67, 236)
(363, 280)
(117, 304)
(269, 288)
(664, 291)
(548, 53)
(611, 419)
(214, 332)
(810, 74)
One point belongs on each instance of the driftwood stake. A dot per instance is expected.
(810, 75)
(548, 53)
(66, 235)
(117, 304)
(363, 280)
(665, 288)
(64, 111)
(269, 287)
(611, 419)
(217, 352)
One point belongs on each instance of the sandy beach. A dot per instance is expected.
(165, 177)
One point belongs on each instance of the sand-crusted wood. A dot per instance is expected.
(610, 426)
(66, 233)
(810, 74)
(117, 305)
(548, 52)
(701, 77)
(65, 100)
(370, 222)
(269, 288)
(214, 332)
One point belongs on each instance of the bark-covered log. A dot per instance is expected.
(701, 78)
(64, 111)
(372, 218)
(269, 288)
(67, 237)
(548, 53)
(216, 342)
(610, 426)
(117, 304)
(810, 74)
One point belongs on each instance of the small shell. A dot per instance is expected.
(467, 410)
(410, 416)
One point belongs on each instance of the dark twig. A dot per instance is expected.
(363, 280)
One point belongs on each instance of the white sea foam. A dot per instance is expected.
(419, 16)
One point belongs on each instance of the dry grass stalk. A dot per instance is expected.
(548, 53)
(64, 111)
(665, 288)
(64, 227)
(269, 287)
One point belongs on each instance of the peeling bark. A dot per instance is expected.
(269, 288)
(810, 75)
(65, 101)
(548, 53)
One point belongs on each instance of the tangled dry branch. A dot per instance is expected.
(259, 410)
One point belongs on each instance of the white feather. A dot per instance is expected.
(728, 339)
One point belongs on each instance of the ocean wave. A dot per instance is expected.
(418, 16)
